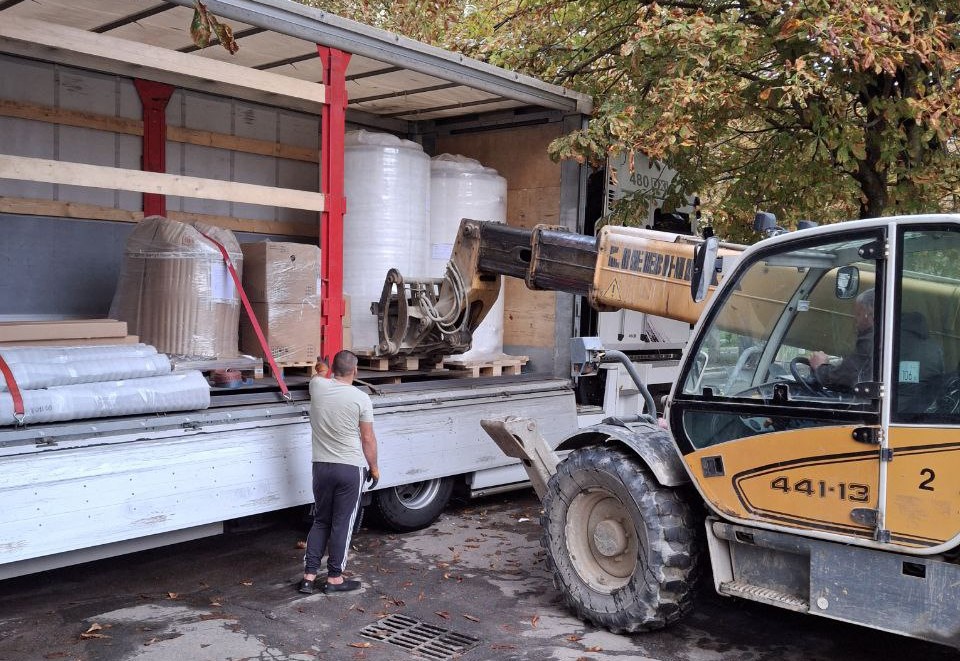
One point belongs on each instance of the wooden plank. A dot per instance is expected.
(79, 48)
(89, 120)
(100, 176)
(27, 207)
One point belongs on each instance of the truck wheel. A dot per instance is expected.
(622, 548)
(409, 507)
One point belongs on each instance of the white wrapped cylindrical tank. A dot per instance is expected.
(387, 186)
(462, 187)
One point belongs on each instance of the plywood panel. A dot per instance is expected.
(533, 197)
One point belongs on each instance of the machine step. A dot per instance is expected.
(764, 595)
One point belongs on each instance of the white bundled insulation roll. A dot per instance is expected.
(387, 186)
(462, 187)
(184, 391)
(31, 376)
(61, 355)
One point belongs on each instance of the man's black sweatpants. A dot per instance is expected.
(336, 495)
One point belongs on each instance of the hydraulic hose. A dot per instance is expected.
(614, 356)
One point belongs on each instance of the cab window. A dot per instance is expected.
(926, 380)
(796, 332)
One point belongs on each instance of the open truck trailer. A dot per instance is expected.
(109, 113)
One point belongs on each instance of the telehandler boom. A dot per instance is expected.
(832, 491)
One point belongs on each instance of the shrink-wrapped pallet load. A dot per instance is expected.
(282, 282)
(175, 291)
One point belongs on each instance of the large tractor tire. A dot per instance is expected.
(622, 548)
(410, 507)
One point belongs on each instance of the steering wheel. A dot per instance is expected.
(810, 383)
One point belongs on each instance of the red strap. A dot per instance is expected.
(14, 390)
(278, 375)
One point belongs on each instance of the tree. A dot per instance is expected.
(825, 109)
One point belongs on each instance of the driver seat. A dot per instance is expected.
(921, 358)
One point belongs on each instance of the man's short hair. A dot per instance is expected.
(344, 363)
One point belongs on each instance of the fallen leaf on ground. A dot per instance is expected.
(93, 632)
(248, 583)
(150, 642)
(216, 602)
(172, 595)
(361, 645)
(444, 614)
(471, 618)
(534, 621)
(301, 545)
(574, 638)
(595, 648)
(421, 596)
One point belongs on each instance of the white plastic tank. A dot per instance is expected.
(462, 187)
(387, 186)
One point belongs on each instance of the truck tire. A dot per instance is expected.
(622, 548)
(410, 507)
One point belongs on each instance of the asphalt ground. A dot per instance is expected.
(478, 573)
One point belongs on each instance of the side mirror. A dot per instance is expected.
(848, 282)
(704, 265)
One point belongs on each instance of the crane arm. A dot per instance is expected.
(621, 268)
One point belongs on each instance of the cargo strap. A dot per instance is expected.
(18, 411)
(277, 374)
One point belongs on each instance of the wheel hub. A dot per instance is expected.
(602, 540)
(609, 538)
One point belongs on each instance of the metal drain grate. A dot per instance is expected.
(419, 637)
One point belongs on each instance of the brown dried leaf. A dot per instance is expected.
(534, 621)
(172, 595)
(444, 614)
(595, 648)
(421, 596)
(574, 638)
(360, 645)
(246, 582)
(471, 618)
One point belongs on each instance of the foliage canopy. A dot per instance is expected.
(824, 109)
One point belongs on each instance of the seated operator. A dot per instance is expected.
(858, 366)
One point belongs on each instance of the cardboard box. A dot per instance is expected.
(32, 331)
(281, 272)
(291, 330)
(175, 291)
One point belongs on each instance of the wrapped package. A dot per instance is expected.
(61, 355)
(175, 291)
(282, 281)
(185, 391)
(292, 331)
(30, 376)
(281, 272)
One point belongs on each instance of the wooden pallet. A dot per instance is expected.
(398, 363)
(306, 368)
(503, 366)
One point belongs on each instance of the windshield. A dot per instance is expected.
(785, 322)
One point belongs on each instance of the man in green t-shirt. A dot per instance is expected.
(344, 445)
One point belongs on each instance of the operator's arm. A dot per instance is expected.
(368, 441)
